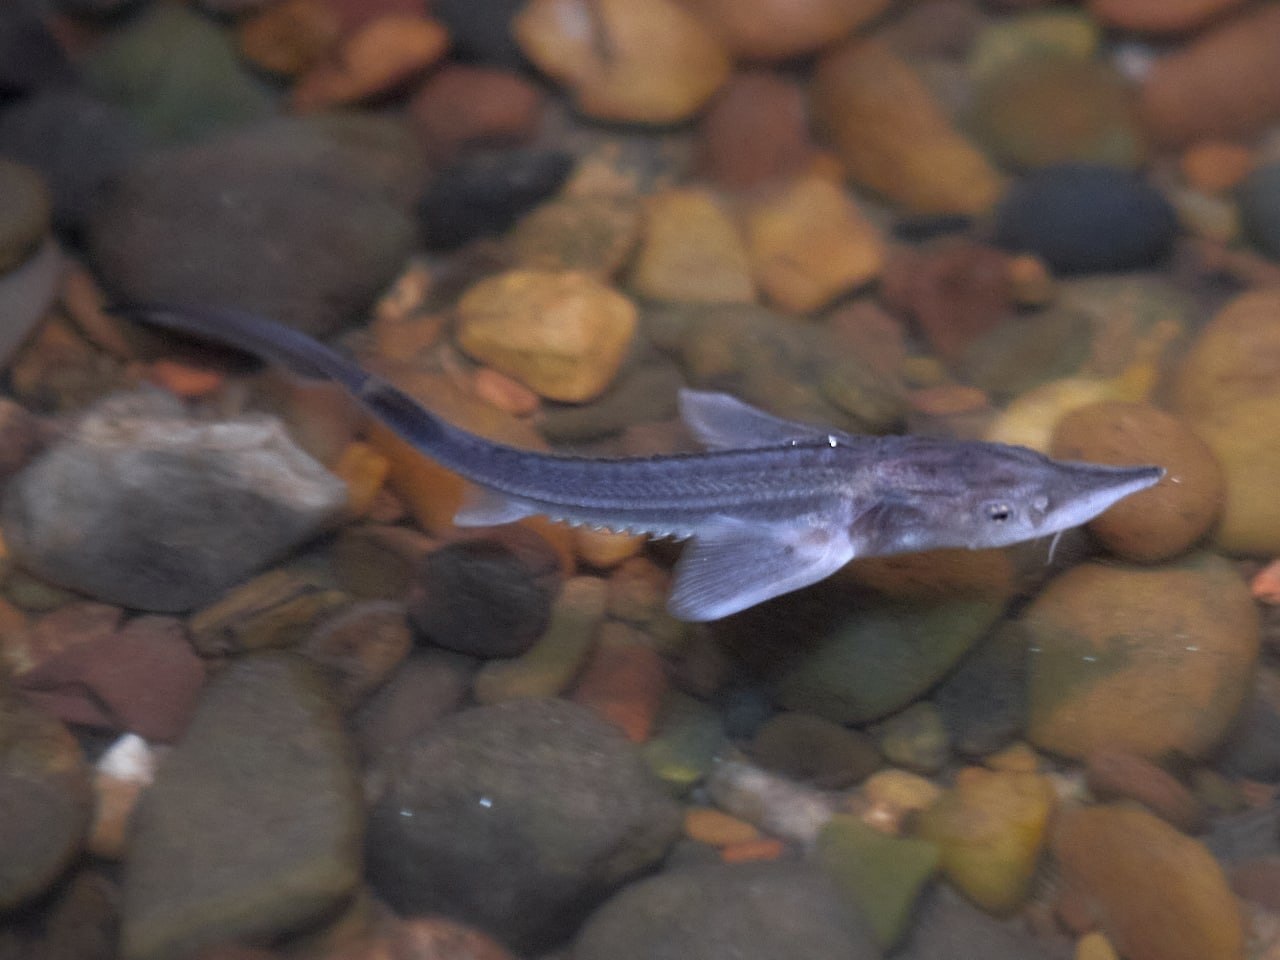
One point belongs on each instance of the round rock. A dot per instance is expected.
(1259, 201)
(722, 912)
(1081, 218)
(517, 818)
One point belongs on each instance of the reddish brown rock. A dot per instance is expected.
(1160, 16)
(781, 29)
(1221, 85)
(376, 59)
(465, 106)
(143, 679)
(757, 131)
(1114, 775)
(353, 14)
(360, 648)
(955, 291)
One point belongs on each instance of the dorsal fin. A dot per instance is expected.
(722, 422)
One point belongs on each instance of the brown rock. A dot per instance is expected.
(353, 14)
(465, 106)
(1160, 895)
(652, 62)
(562, 333)
(430, 684)
(893, 136)
(1168, 518)
(1160, 16)
(1221, 85)
(757, 131)
(143, 679)
(691, 251)
(809, 243)
(1216, 166)
(289, 38)
(593, 234)
(781, 29)
(379, 57)
(360, 648)
(955, 290)
(435, 938)
(1116, 775)
(1258, 881)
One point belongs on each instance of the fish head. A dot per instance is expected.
(932, 494)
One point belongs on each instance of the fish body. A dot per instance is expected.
(769, 507)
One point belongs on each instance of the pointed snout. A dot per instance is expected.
(1099, 487)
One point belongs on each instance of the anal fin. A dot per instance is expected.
(729, 568)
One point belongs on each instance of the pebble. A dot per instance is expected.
(47, 799)
(754, 911)
(564, 334)
(882, 875)
(945, 925)
(482, 34)
(688, 738)
(1252, 748)
(375, 561)
(624, 681)
(487, 596)
(548, 668)
(30, 56)
(1082, 218)
(954, 289)
(1046, 110)
(289, 38)
(464, 106)
(883, 657)
(990, 829)
(1114, 775)
(777, 805)
(655, 62)
(427, 686)
(605, 550)
(484, 192)
(983, 702)
(1169, 518)
(1095, 946)
(1258, 199)
(591, 234)
(691, 251)
(1216, 166)
(894, 137)
(1225, 387)
(809, 243)
(275, 609)
(1219, 85)
(234, 220)
(377, 59)
(1104, 674)
(644, 394)
(536, 802)
(27, 213)
(894, 797)
(755, 132)
(26, 294)
(717, 828)
(1160, 16)
(359, 648)
(141, 678)
(1109, 855)
(265, 761)
(177, 98)
(815, 751)
(120, 777)
(1258, 881)
(100, 511)
(1034, 35)
(778, 30)
(914, 738)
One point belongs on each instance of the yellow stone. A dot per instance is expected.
(1160, 894)
(1095, 946)
(651, 62)
(893, 135)
(691, 251)
(364, 470)
(810, 243)
(562, 334)
(990, 828)
(604, 549)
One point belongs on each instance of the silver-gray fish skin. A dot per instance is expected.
(771, 505)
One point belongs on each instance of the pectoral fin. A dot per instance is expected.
(727, 569)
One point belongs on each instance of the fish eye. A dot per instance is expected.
(998, 512)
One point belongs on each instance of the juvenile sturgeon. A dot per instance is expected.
(769, 507)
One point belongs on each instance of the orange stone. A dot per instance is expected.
(625, 682)
(766, 848)
(186, 380)
(364, 470)
(717, 828)
(379, 57)
(1216, 166)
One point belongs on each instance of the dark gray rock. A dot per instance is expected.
(949, 928)
(78, 142)
(721, 912)
(1252, 748)
(252, 828)
(518, 819)
(303, 220)
(1259, 199)
(144, 507)
(30, 58)
(983, 703)
(482, 31)
(1082, 218)
(46, 798)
